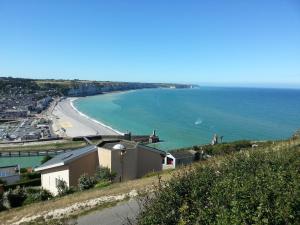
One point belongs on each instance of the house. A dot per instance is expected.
(175, 159)
(69, 166)
(129, 159)
(10, 174)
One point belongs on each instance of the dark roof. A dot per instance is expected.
(163, 153)
(109, 144)
(182, 154)
(10, 166)
(67, 157)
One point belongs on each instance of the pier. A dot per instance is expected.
(30, 153)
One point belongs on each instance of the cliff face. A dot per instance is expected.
(86, 89)
(53, 87)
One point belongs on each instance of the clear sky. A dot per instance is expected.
(212, 41)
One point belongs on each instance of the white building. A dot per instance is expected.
(175, 159)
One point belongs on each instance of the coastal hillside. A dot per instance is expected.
(74, 87)
(254, 186)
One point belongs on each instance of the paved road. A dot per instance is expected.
(116, 215)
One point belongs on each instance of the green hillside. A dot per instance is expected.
(254, 186)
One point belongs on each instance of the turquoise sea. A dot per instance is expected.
(186, 117)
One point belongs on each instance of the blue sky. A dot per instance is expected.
(253, 42)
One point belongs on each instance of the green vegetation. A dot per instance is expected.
(1, 202)
(22, 196)
(37, 195)
(2, 182)
(259, 186)
(15, 197)
(86, 182)
(102, 178)
(62, 188)
(54, 145)
(104, 174)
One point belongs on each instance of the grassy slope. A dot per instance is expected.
(260, 186)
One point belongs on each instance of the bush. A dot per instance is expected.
(2, 182)
(1, 202)
(104, 173)
(62, 188)
(30, 176)
(37, 195)
(23, 170)
(253, 187)
(86, 182)
(14, 198)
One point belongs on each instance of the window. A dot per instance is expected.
(169, 161)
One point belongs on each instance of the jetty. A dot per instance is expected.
(31, 153)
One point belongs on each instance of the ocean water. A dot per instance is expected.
(186, 117)
(24, 162)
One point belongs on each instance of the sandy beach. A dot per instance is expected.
(68, 121)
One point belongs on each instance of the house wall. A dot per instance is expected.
(124, 166)
(104, 157)
(48, 178)
(87, 164)
(184, 161)
(148, 161)
(11, 179)
(127, 164)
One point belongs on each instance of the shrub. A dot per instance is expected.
(2, 182)
(14, 198)
(86, 182)
(62, 188)
(104, 173)
(30, 176)
(23, 170)
(1, 202)
(37, 195)
(253, 187)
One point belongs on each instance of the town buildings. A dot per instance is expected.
(128, 159)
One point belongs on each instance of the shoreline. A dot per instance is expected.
(68, 121)
(71, 100)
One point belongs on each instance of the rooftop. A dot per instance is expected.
(182, 154)
(67, 157)
(117, 144)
